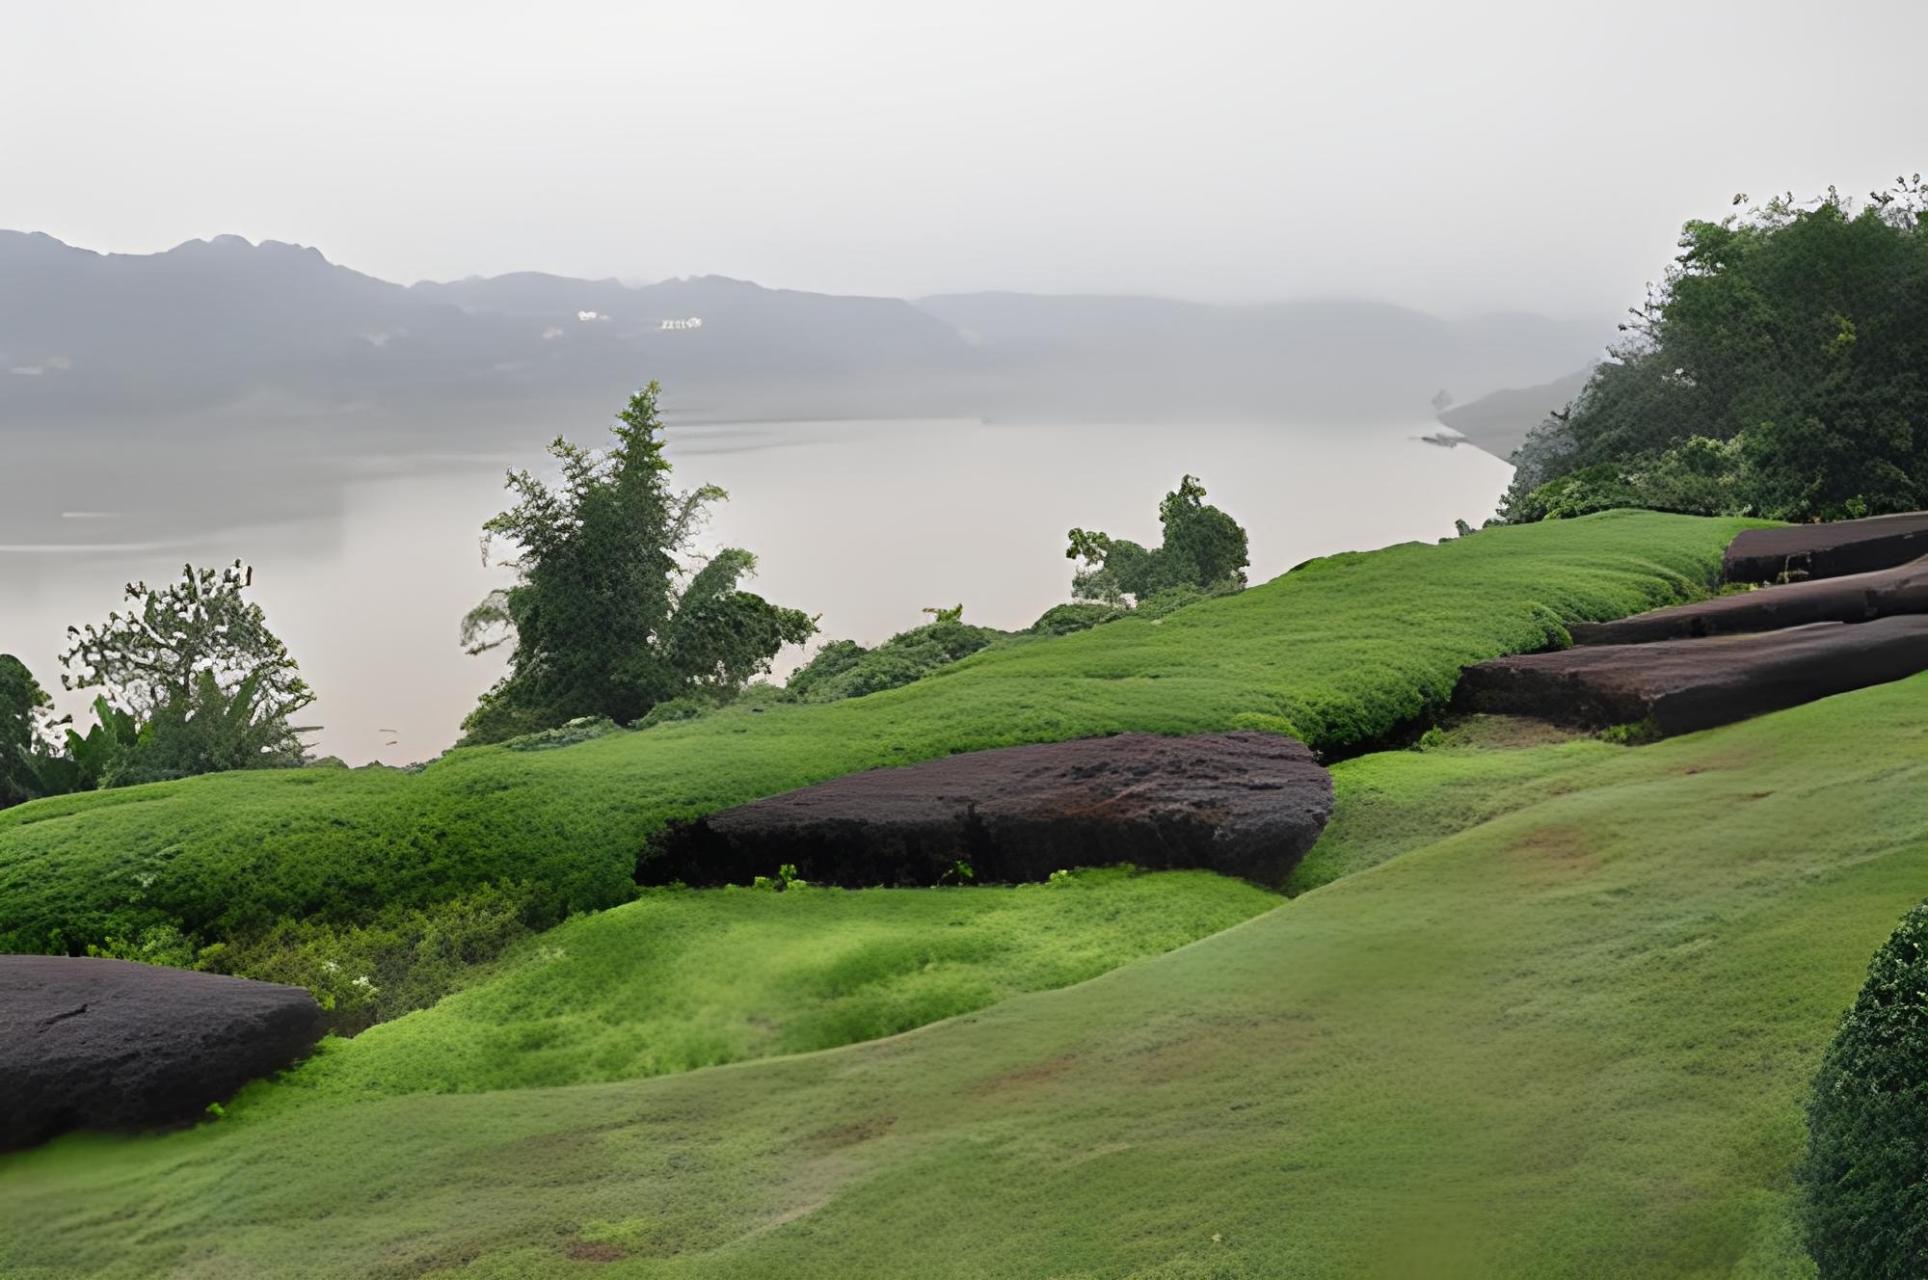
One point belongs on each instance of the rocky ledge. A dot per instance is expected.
(109, 1044)
(1683, 685)
(1858, 597)
(1246, 804)
(1826, 550)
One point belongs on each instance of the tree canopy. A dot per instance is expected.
(1780, 369)
(605, 617)
(192, 682)
(24, 706)
(1203, 550)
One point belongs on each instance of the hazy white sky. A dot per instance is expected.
(1456, 156)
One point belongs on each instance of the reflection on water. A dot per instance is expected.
(365, 563)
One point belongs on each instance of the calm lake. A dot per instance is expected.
(365, 567)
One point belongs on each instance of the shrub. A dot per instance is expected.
(584, 729)
(403, 960)
(1063, 619)
(1865, 1178)
(845, 669)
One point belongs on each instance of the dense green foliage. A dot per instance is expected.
(1203, 548)
(1571, 1039)
(24, 708)
(1781, 369)
(845, 669)
(691, 978)
(1866, 1174)
(108, 754)
(604, 618)
(1338, 652)
(1079, 615)
(193, 682)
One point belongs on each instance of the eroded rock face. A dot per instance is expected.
(109, 1044)
(1858, 597)
(1827, 550)
(1247, 804)
(1695, 684)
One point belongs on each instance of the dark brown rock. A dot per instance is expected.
(1247, 804)
(1859, 597)
(109, 1044)
(1826, 550)
(1684, 685)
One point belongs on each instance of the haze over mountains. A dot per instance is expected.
(1499, 422)
(223, 326)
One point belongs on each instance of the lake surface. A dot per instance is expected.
(366, 562)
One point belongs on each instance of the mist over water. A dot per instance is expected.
(365, 560)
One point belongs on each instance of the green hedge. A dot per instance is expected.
(1865, 1179)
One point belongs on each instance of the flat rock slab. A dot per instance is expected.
(1858, 597)
(110, 1044)
(1246, 804)
(1683, 685)
(1827, 550)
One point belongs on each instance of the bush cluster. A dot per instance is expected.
(1865, 1177)
(845, 669)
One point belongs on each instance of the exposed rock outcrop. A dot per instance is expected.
(109, 1044)
(1682, 685)
(1858, 597)
(1826, 550)
(1247, 804)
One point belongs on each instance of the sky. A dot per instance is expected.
(1459, 157)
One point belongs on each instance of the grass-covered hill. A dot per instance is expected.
(1339, 652)
(1559, 1021)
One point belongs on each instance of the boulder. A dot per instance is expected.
(1858, 597)
(1826, 550)
(1682, 685)
(110, 1044)
(1246, 804)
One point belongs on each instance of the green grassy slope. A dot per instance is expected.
(1384, 805)
(1570, 1039)
(1338, 652)
(692, 978)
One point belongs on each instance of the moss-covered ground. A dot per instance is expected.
(687, 978)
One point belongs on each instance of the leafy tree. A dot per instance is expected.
(195, 679)
(24, 708)
(604, 618)
(1203, 549)
(1780, 369)
(1865, 1178)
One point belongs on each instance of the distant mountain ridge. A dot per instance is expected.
(212, 324)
